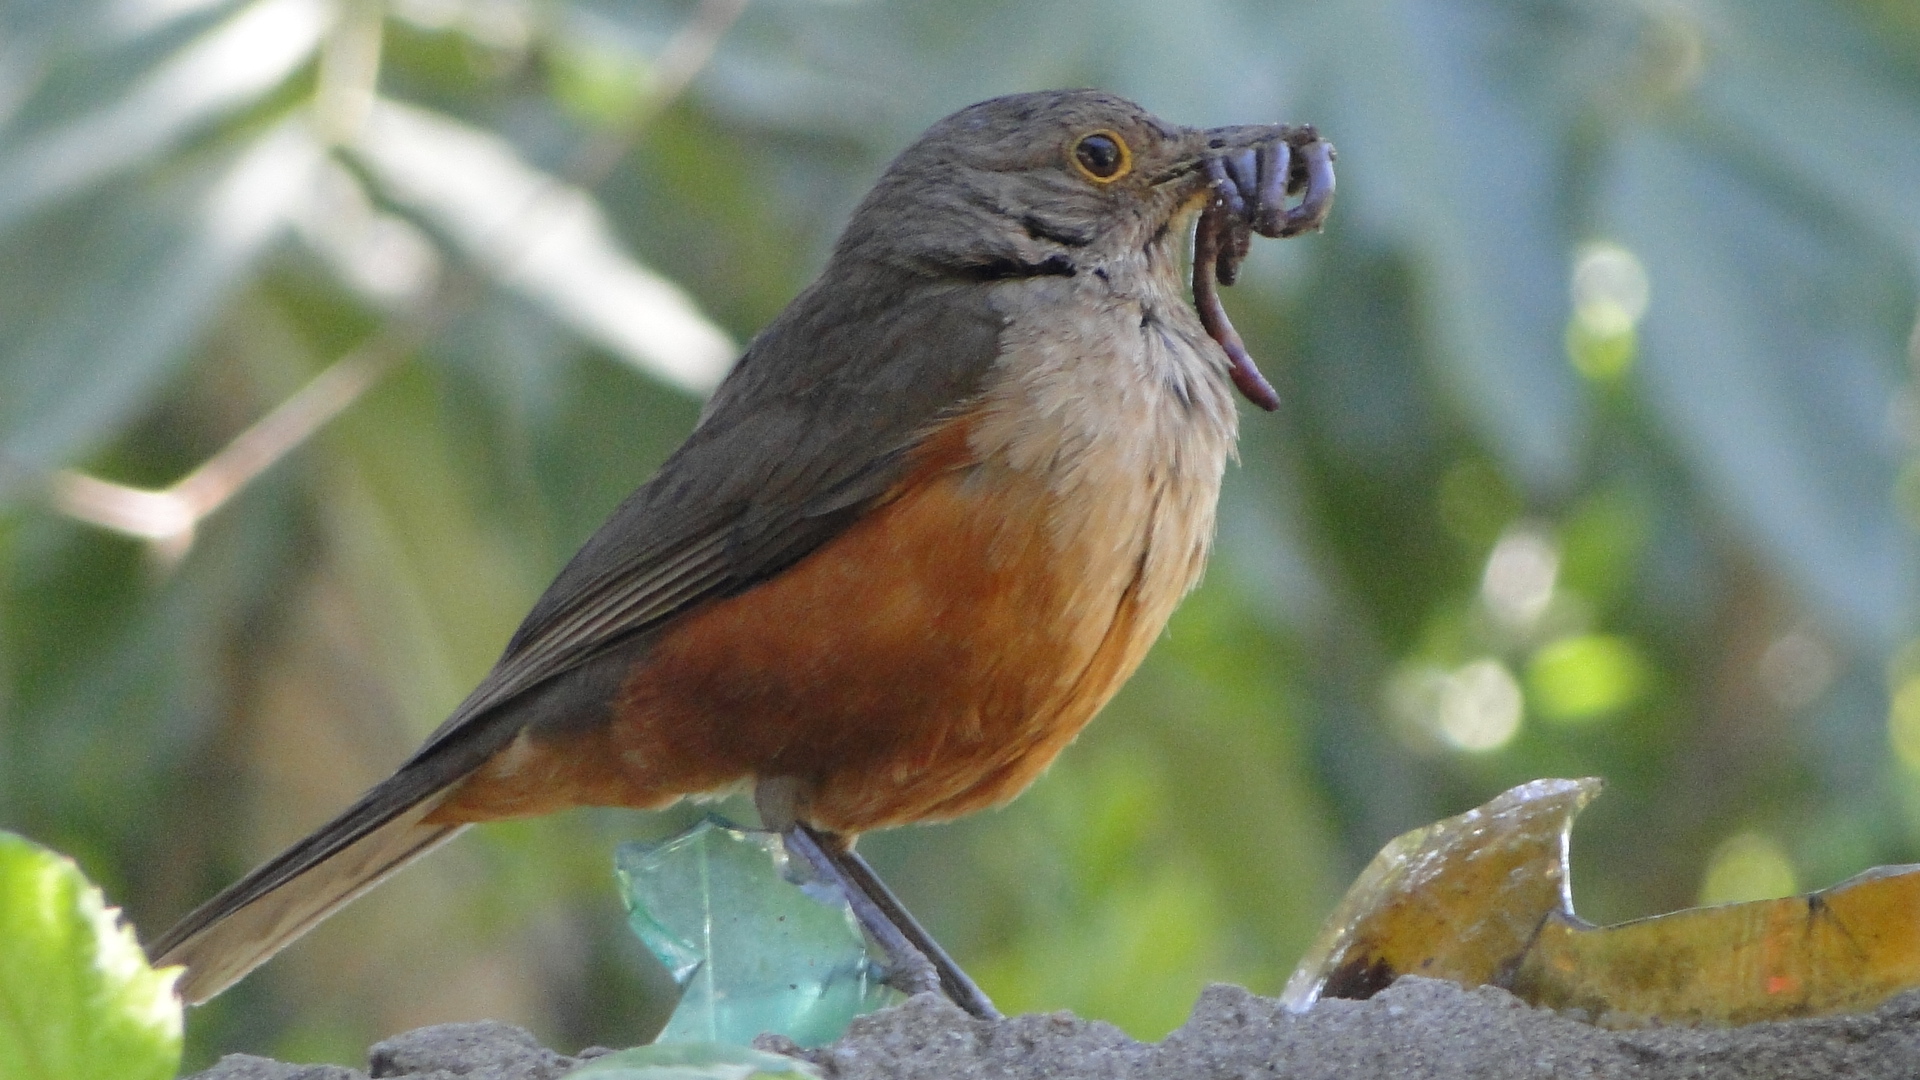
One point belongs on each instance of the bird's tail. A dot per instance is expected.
(262, 913)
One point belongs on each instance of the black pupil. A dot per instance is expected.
(1099, 154)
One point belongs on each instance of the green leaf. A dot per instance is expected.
(78, 1000)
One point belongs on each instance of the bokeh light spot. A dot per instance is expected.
(1585, 677)
(1796, 669)
(1748, 866)
(1610, 289)
(1610, 294)
(1479, 707)
(1520, 576)
(1903, 722)
(1604, 358)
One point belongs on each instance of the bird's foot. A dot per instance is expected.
(915, 962)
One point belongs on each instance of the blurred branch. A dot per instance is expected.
(169, 517)
(683, 58)
(349, 78)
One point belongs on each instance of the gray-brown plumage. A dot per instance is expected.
(927, 526)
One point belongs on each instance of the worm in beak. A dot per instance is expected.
(1251, 187)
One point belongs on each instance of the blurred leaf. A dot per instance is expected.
(543, 237)
(91, 333)
(1794, 67)
(1445, 93)
(1160, 933)
(1099, 921)
(1799, 451)
(224, 70)
(79, 999)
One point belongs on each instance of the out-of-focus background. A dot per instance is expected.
(329, 328)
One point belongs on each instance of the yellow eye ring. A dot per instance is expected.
(1101, 156)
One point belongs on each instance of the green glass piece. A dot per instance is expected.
(752, 951)
(694, 1061)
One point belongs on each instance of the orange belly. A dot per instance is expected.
(929, 661)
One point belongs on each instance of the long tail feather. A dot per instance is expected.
(262, 913)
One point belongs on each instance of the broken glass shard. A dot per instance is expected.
(1482, 898)
(1844, 949)
(752, 951)
(693, 1061)
(1460, 899)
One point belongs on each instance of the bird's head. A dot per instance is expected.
(1039, 182)
(1063, 182)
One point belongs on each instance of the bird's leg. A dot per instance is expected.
(908, 969)
(915, 962)
(888, 908)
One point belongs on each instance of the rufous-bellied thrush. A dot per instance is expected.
(924, 530)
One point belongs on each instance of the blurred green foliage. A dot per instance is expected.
(1598, 453)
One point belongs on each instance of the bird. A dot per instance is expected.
(924, 529)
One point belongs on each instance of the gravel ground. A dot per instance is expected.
(1418, 1029)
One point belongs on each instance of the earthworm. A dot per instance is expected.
(1251, 186)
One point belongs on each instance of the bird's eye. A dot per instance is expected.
(1102, 157)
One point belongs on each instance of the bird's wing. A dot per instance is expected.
(814, 423)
